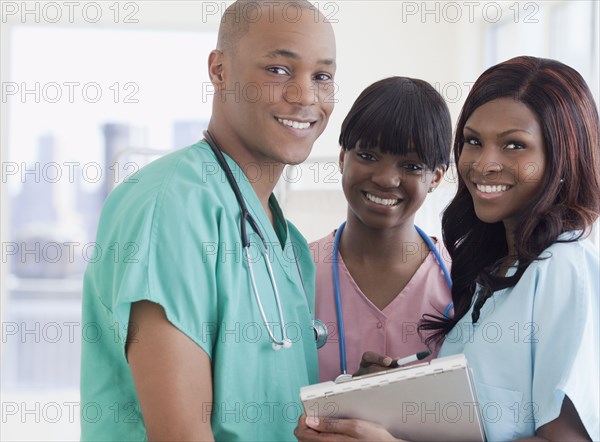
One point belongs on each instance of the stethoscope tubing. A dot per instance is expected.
(338, 296)
(247, 217)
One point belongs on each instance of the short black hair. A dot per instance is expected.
(400, 115)
(237, 18)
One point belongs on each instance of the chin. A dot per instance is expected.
(487, 218)
(296, 155)
(296, 160)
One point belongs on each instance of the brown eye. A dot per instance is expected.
(513, 145)
(278, 70)
(413, 167)
(471, 141)
(365, 156)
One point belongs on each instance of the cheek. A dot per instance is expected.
(327, 110)
(327, 98)
(464, 166)
(345, 183)
(417, 189)
(532, 173)
(349, 195)
(418, 198)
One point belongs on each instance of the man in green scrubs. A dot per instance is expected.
(174, 345)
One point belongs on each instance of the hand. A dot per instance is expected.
(323, 429)
(372, 362)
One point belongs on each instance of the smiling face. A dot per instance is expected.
(503, 160)
(274, 90)
(385, 190)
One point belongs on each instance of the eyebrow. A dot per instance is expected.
(501, 134)
(293, 55)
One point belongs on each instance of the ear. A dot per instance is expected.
(341, 159)
(438, 174)
(215, 67)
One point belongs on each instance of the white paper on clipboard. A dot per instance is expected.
(434, 401)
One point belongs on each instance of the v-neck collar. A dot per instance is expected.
(388, 309)
(276, 235)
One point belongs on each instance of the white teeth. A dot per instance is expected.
(491, 189)
(294, 124)
(381, 201)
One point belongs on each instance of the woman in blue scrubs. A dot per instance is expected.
(526, 283)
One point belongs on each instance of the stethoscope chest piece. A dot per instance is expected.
(321, 332)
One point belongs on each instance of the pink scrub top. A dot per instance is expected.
(391, 331)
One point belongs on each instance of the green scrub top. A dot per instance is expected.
(171, 235)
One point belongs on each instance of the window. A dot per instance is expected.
(87, 109)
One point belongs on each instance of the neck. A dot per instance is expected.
(262, 174)
(385, 246)
(510, 239)
(510, 258)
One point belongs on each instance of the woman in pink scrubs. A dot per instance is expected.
(395, 147)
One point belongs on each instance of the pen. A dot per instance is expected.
(403, 361)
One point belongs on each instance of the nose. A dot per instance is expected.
(488, 163)
(386, 176)
(301, 91)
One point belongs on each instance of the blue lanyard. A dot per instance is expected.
(338, 297)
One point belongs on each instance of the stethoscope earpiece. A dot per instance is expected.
(286, 343)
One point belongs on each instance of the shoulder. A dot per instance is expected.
(169, 183)
(295, 235)
(570, 243)
(193, 166)
(327, 239)
(322, 249)
(564, 278)
(568, 253)
(441, 248)
(175, 198)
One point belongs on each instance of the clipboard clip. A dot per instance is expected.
(344, 377)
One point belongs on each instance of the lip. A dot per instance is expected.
(298, 119)
(382, 196)
(300, 123)
(492, 191)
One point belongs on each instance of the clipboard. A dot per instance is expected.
(434, 401)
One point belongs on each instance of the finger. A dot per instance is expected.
(304, 433)
(349, 430)
(371, 358)
(372, 362)
(332, 426)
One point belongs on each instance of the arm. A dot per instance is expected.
(172, 376)
(567, 426)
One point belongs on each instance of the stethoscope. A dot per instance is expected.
(319, 327)
(338, 298)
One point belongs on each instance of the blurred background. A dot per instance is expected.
(92, 91)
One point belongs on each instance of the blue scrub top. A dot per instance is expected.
(177, 226)
(536, 342)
